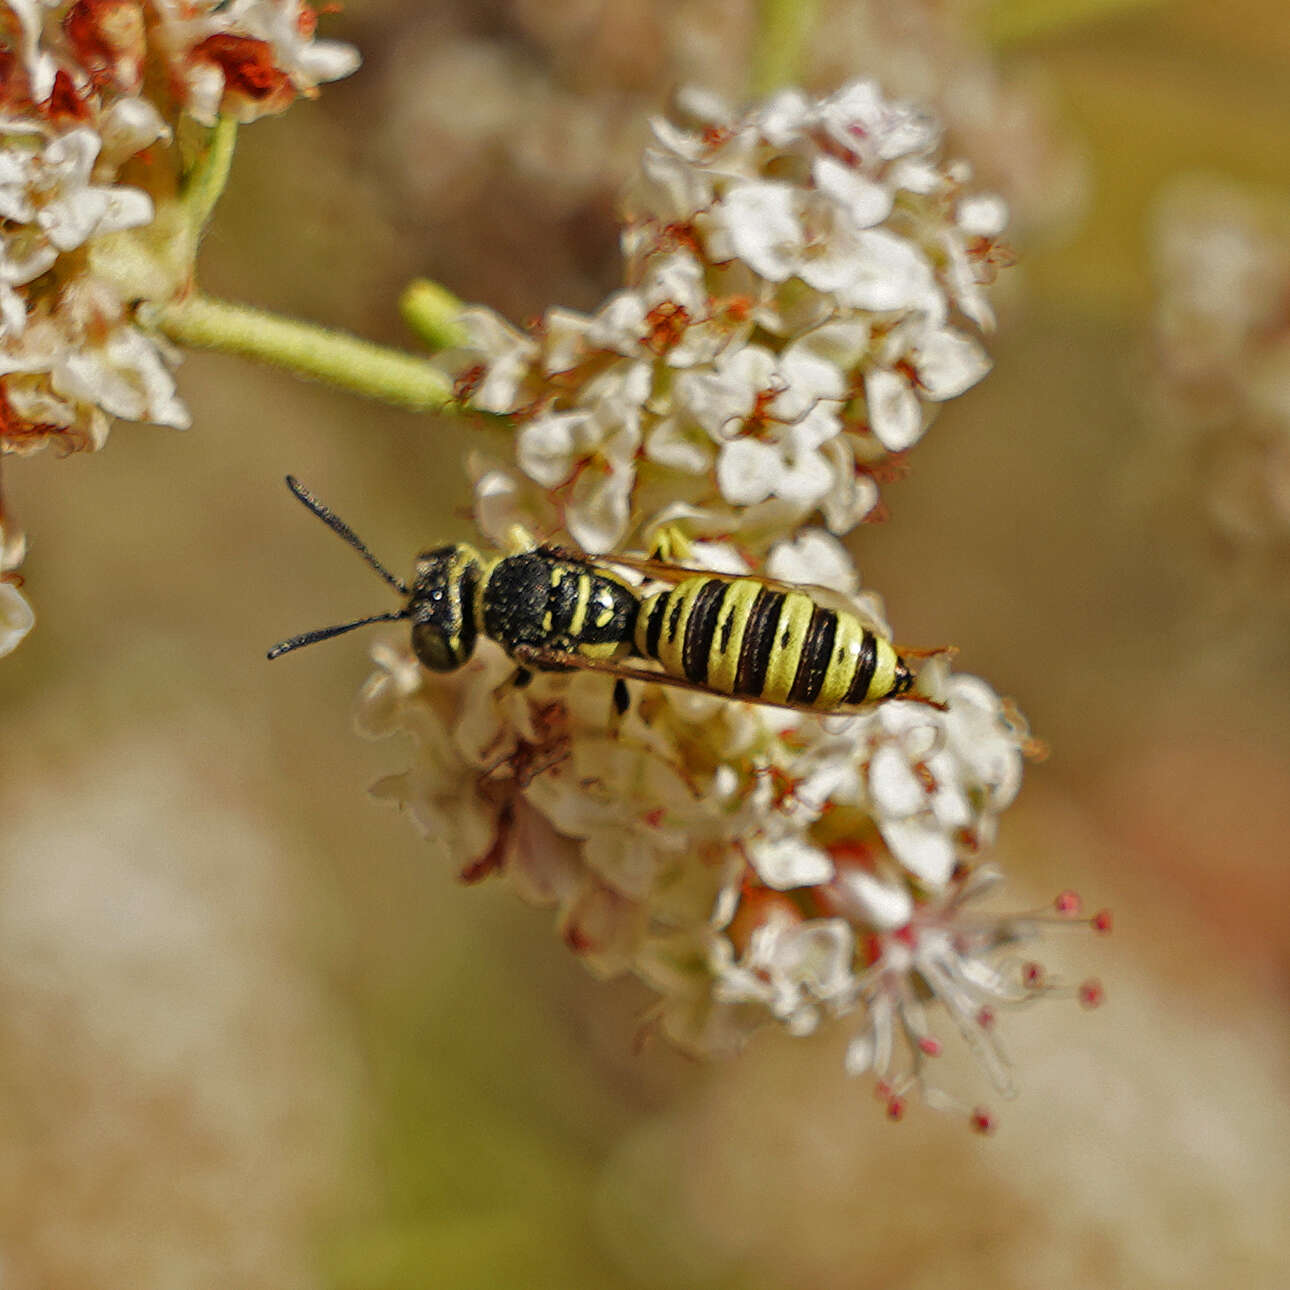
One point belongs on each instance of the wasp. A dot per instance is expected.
(553, 610)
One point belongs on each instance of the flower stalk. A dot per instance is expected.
(205, 182)
(783, 29)
(306, 350)
(433, 314)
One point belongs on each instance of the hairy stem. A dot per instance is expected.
(783, 28)
(431, 312)
(306, 350)
(206, 180)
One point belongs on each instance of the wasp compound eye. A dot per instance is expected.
(442, 607)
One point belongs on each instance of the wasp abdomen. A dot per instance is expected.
(742, 637)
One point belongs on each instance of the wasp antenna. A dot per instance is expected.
(337, 525)
(326, 633)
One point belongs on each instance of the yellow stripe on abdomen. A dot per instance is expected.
(728, 639)
(884, 675)
(847, 644)
(676, 613)
(786, 652)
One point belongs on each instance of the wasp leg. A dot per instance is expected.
(622, 700)
(519, 540)
(562, 660)
(923, 699)
(934, 651)
(548, 658)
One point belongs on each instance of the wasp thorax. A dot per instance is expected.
(442, 606)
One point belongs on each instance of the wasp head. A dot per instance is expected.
(442, 606)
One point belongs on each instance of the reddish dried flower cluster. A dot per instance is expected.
(94, 221)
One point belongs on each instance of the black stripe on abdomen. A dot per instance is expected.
(865, 666)
(817, 649)
(700, 627)
(654, 627)
(758, 642)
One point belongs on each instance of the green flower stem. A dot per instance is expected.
(207, 178)
(783, 28)
(431, 312)
(1014, 21)
(306, 350)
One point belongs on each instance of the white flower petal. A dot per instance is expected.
(922, 848)
(758, 224)
(598, 509)
(805, 479)
(16, 618)
(788, 862)
(890, 273)
(865, 201)
(895, 415)
(618, 325)
(948, 363)
(670, 446)
(545, 449)
(783, 118)
(748, 471)
(982, 215)
(894, 787)
(884, 904)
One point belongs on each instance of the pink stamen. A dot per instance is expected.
(1091, 994)
(1067, 903)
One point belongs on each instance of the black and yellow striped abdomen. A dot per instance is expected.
(748, 639)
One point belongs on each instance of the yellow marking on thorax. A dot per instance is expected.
(604, 603)
(601, 649)
(671, 643)
(732, 622)
(486, 570)
(847, 644)
(578, 619)
(786, 654)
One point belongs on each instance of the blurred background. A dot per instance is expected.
(252, 1034)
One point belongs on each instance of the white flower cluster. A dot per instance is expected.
(16, 617)
(93, 95)
(795, 277)
(751, 863)
(1219, 392)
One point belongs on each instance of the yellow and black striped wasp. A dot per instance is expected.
(742, 636)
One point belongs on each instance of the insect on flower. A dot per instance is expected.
(551, 609)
